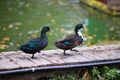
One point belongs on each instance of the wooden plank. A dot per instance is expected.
(105, 55)
(91, 56)
(72, 57)
(91, 52)
(19, 59)
(39, 61)
(108, 51)
(52, 56)
(57, 57)
(117, 55)
(75, 59)
(116, 52)
(91, 49)
(101, 52)
(2, 67)
(7, 63)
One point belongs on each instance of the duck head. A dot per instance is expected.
(77, 27)
(45, 29)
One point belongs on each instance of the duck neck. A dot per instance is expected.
(76, 31)
(43, 35)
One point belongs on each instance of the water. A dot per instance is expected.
(102, 27)
(21, 20)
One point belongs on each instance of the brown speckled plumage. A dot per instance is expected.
(71, 41)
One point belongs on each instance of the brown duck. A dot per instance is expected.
(71, 41)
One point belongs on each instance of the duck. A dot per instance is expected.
(36, 44)
(70, 41)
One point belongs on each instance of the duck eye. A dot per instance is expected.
(48, 28)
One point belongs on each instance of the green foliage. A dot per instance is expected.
(68, 77)
(95, 71)
(112, 74)
(104, 73)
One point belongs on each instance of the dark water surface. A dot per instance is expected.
(21, 20)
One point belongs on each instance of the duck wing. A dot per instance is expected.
(76, 39)
(34, 45)
(68, 41)
(65, 43)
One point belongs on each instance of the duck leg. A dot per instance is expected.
(64, 52)
(74, 50)
(32, 56)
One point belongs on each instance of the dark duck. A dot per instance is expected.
(37, 44)
(71, 41)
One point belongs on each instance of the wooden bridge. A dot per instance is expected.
(21, 64)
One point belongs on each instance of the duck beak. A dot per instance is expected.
(84, 26)
(51, 30)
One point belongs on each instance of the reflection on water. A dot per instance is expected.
(21, 20)
(102, 26)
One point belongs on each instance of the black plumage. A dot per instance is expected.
(70, 41)
(37, 44)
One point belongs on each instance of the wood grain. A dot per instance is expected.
(19, 60)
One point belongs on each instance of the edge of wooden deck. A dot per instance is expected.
(112, 57)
